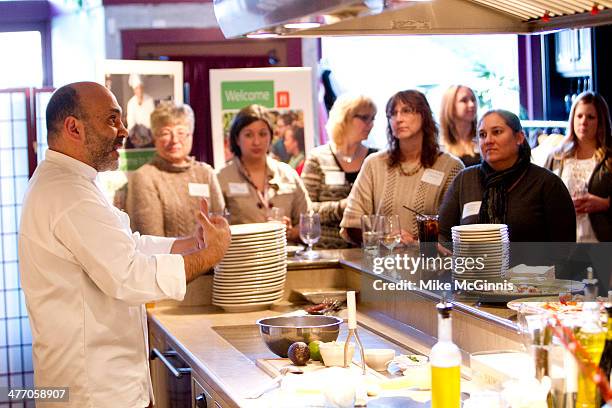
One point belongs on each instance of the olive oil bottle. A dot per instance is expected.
(592, 338)
(445, 363)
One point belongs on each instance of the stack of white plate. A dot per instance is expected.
(487, 245)
(252, 274)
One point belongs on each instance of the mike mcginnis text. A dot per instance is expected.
(437, 285)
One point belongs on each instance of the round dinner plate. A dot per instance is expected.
(257, 287)
(479, 227)
(249, 249)
(247, 297)
(277, 263)
(256, 228)
(246, 307)
(249, 277)
(254, 241)
(248, 262)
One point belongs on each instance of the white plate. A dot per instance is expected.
(246, 307)
(256, 250)
(255, 228)
(479, 227)
(248, 261)
(249, 278)
(260, 238)
(483, 240)
(248, 297)
(254, 288)
(273, 266)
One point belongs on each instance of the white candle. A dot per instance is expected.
(352, 309)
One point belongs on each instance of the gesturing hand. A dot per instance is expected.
(212, 233)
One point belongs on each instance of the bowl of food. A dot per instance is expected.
(280, 332)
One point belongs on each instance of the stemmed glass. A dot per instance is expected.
(310, 232)
(391, 232)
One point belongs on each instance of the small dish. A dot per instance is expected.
(378, 359)
(405, 362)
(332, 353)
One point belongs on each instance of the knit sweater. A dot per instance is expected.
(384, 190)
(539, 207)
(326, 194)
(158, 199)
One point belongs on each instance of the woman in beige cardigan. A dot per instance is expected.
(164, 194)
(412, 172)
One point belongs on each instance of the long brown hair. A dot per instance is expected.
(430, 149)
(603, 134)
(448, 128)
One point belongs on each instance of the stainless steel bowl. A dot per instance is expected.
(280, 332)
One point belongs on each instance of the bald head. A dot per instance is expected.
(84, 122)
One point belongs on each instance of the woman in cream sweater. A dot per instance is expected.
(412, 172)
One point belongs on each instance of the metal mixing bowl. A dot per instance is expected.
(280, 332)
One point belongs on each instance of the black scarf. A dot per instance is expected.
(496, 185)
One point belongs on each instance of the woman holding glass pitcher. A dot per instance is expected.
(584, 163)
(253, 183)
(413, 172)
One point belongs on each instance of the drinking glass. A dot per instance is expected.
(428, 234)
(371, 233)
(275, 214)
(310, 232)
(391, 232)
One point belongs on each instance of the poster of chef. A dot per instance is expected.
(287, 95)
(139, 87)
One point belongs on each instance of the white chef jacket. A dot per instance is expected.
(139, 113)
(86, 278)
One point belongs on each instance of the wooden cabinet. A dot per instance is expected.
(159, 376)
(573, 52)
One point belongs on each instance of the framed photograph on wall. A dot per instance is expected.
(139, 87)
(287, 95)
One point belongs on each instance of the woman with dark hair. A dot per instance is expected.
(506, 188)
(584, 163)
(412, 172)
(458, 124)
(253, 183)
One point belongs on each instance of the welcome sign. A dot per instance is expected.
(285, 92)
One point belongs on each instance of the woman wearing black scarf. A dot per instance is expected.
(507, 189)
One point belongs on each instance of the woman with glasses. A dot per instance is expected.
(253, 182)
(164, 194)
(413, 172)
(331, 169)
(458, 124)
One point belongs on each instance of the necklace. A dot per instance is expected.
(346, 158)
(411, 171)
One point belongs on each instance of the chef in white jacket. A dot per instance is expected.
(85, 274)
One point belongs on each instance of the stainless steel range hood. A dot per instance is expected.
(398, 17)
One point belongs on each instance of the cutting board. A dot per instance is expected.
(272, 367)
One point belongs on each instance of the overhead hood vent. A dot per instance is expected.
(316, 18)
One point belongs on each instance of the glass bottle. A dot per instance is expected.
(592, 338)
(606, 356)
(445, 363)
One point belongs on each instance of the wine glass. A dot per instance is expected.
(391, 232)
(310, 232)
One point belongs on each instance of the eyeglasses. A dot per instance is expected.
(365, 118)
(181, 132)
(404, 111)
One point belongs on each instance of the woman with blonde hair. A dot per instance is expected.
(458, 124)
(331, 169)
(164, 194)
(584, 163)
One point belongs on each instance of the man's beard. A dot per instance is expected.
(100, 150)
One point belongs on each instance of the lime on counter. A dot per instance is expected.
(315, 353)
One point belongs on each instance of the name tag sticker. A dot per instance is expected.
(238, 189)
(199, 190)
(335, 178)
(471, 208)
(431, 176)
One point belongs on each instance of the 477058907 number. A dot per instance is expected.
(59, 394)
